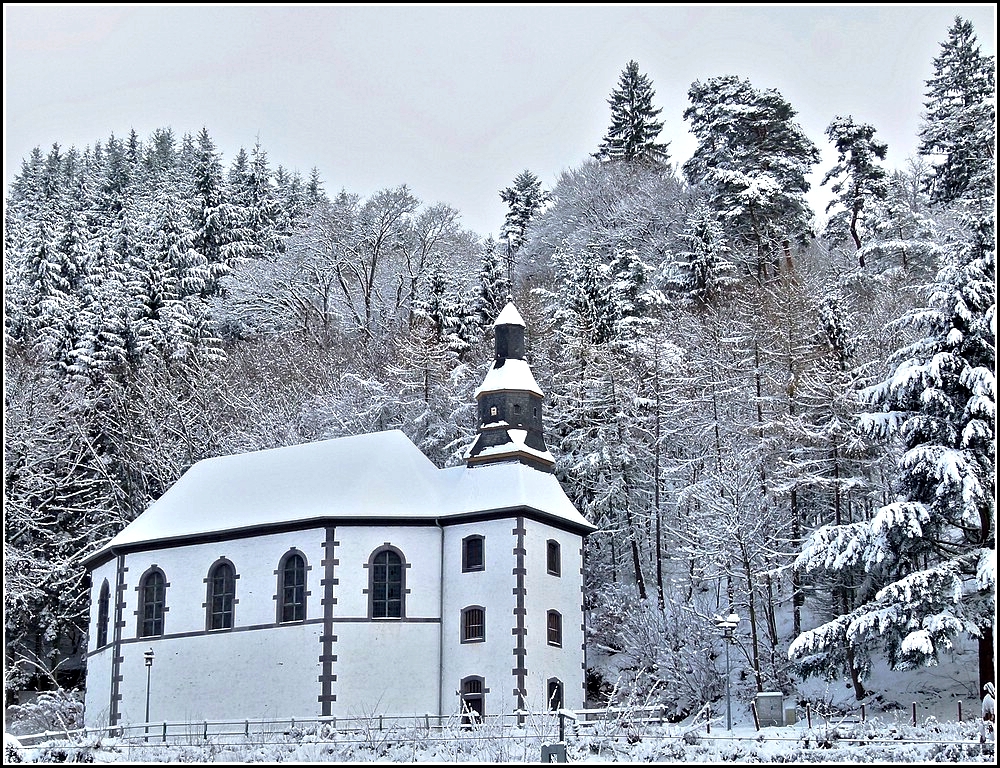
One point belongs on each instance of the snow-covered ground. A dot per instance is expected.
(835, 734)
(871, 742)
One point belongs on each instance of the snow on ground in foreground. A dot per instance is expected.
(869, 742)
(836, 734)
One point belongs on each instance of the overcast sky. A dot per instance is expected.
(452, 101)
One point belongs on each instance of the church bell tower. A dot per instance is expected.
(510, 403)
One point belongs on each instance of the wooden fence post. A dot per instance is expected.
(756, 720)
(809, 719)
(914, 714)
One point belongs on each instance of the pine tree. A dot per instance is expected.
(752, 160)
(959, 126)
(859, 180)
(634, 127)
(525, 199)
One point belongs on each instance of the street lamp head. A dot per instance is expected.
(733, 619)
(148, 656)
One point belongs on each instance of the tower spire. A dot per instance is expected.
(510, 402)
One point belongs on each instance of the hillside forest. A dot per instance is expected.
(766, 417)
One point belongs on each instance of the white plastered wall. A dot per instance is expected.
(257, 667)
(493, 589)
(545, 592)
(387, 666)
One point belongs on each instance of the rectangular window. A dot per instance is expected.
(553, 558)
(555, 628)
(473, 553)
(473, 625)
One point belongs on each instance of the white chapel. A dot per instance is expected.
(351, 577)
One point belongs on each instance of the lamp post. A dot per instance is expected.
(728, 625)
(148, 657)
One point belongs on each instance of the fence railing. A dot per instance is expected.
(551, 725)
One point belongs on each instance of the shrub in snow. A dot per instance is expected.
(58, 710)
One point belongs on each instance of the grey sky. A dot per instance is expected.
(453, 101)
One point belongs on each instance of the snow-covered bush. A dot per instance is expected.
(652, 656)
(58, 710)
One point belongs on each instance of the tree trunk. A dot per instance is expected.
(752, 611)
(798, 597)
(987, 661)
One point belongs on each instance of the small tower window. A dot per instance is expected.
(517, 409)
(493, 411)
(553, 557)
(103, 615)
(554, 626)
(473, 553)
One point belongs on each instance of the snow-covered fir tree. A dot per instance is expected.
(634, 128)
(928, 558)
(524, 200)
(959, 128)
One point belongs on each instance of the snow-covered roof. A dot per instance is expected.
(509, 316)
(381, 475)
(515, 445)
(512, 374)
(504, 485)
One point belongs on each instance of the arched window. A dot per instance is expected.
(152, 603)
(221, 595)
(474, 624)
(554, 628)
(473, 692)
(292, 588)
(385, 585)
(103, 614)
(553, 557)
(554, 698)
(473, 553)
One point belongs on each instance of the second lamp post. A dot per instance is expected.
(728, 625)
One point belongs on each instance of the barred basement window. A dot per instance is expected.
(555, 694)
(473, 709)
(474, 624)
